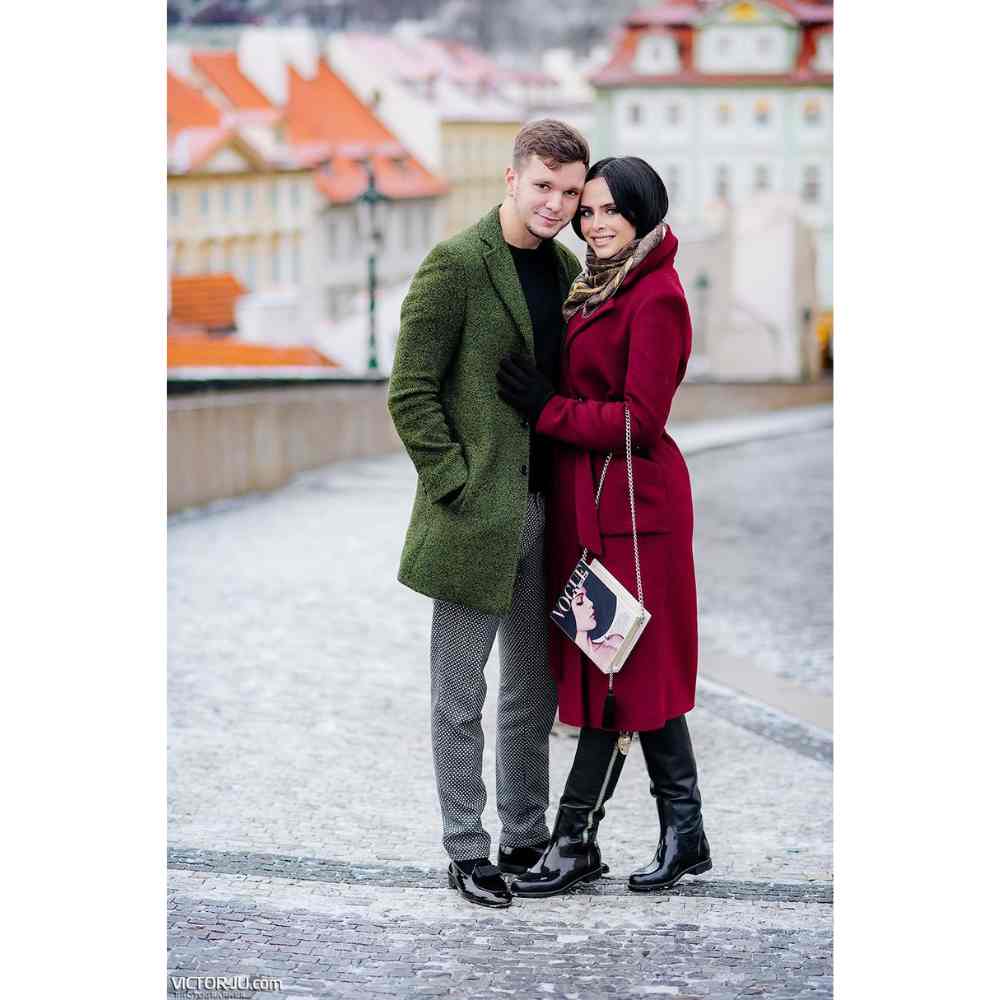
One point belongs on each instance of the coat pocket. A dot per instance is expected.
(652, 502)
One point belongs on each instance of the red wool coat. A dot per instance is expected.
(633, 349)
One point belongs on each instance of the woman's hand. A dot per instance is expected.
(523, 386)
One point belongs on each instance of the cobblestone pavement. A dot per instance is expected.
(764, 554)
(304, 829)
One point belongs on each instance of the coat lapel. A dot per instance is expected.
(503, 275)
(576, 324)
(565, 278)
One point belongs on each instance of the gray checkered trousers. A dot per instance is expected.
(461, 641)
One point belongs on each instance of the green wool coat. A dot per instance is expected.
(463, 312)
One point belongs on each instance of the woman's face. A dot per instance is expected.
(583, 611)
(604, 229)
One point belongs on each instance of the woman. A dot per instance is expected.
(627, 343)
(592, 635)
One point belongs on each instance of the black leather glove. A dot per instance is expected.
(523, 386)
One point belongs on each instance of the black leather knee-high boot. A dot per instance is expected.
(572, 856)
(683, 847)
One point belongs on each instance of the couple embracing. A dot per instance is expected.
(513, 375)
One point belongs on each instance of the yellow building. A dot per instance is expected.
(232, 207)
(474, 155)
(233, 215)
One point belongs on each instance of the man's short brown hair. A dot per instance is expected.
(553, 141)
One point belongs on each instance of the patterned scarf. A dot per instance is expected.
(600, 279)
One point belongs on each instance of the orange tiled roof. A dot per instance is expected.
(187, 107)
(619, 69)
(223, 71)
(205, 300)
(344, 178)
(183, 329)
(194, 351)
(677, 18)
(325, 109)
(325, 119)
(689, 11)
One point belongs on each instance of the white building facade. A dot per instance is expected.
(731, 102)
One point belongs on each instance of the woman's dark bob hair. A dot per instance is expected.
(638, 192)
(605, 605)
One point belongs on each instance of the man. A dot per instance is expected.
(476, 535)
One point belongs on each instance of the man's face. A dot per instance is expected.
(545, 198)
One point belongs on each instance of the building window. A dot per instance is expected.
(274, 196)
(673, 114)
(227, 200)
(276, 263)
(723, 114)
(296, 263)
(175, 204)
(428, 225)
(248, 199)
(407, 227)
(764, 44)
(723, 44)
(635, 114)
(722, 182)
(823, 61)
(761, 178)
(810, 185)
(337, 300)
(762, 112)
(295, 195)
(813, 112)
(205, 201)
(251, 267)
(228, 261)
(673, 183)
(333, 239)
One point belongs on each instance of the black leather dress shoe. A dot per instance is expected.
(484, 885)
(517, 860)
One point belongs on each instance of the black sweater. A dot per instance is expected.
(538, 271)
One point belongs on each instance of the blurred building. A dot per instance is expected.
(572, 99)
(731, 101)
(269, 154)
(238, 200)
(203, 330)
(446, 99)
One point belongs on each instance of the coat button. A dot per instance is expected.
(524, 470)
(524, 424)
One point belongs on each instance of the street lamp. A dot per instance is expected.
(368, 204)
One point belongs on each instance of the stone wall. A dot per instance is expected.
(722, 400)
(224, 444)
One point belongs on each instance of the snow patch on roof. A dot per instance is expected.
(264, 55)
